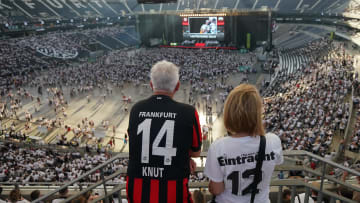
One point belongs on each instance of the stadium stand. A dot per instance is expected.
(47, 79)
(294, 129)
(226, 4)
(269, 4)
(33, 10)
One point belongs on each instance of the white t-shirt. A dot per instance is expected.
(300, 198)
(230, 157)
(58, 200)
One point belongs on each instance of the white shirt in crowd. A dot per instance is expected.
(300, 198)
(228, 156)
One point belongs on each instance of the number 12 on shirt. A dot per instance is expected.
(167, 130)
(235, 181)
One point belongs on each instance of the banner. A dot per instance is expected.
(332, 35)
(52, 52)
(248, 40)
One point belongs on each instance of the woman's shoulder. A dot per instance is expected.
(273, 140)
(272, 137)
(220, 142)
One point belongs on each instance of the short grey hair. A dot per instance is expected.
(164, 76)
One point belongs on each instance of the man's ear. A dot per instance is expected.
(151, 85)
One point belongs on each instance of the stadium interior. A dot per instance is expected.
(71, 70)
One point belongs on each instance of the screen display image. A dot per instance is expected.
(203, 25)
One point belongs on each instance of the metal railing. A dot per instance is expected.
(293, 184)
(290, 183)
(342, 147)
(90, 172)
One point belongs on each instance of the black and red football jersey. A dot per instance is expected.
(161, 134)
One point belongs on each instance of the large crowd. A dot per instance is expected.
(23, 54)
(305, 109)
(208, 84)
(31, 165)
(202, 70)
(309, 107)
(26, 165)
(353, 7)
(14, 57)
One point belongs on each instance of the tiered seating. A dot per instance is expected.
(286, 43)
(207, 4)
(353, 7)
(187, 4)
(126, 39)
(246, 4)
(108, 8)
(169, 6)
(62, 9)
(354, 144)
(295, 58)
(268, 3)
(155, 7)
(46, 165)
(85, 10)
(109, 41)
(287, 6)
(132, 4)
(105, 9)
(306, 5)
(226, 4)
(85, 41)
(35, 8)
(132, 32)
(323, 5)
(318, 93)
(119, 7)
(16, 58)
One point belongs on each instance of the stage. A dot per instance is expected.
(199, 47)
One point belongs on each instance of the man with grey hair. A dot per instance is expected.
(163, 136)
(164, 77)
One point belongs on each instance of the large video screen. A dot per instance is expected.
(203, 25)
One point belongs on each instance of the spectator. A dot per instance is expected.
(84, 198)
(63, 194)
(166, 166)
(34, 195)
(286, 195)
(2, 200)
(321, 109)
(344, 191)
(281, 175)
(198, 196)
(299, 198)
(235, 156)
(15, 197)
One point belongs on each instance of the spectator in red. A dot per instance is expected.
(313, 165)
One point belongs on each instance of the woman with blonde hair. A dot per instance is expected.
(15, 197)
(240, 165)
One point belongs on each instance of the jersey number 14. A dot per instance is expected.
(167, 130)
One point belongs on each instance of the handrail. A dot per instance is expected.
(287, 153)
(111, 193)
(284, 182)
(47, 183)
(92, 186)
(347, 135)
(317, 157)
(119, 156)
(60, 148)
